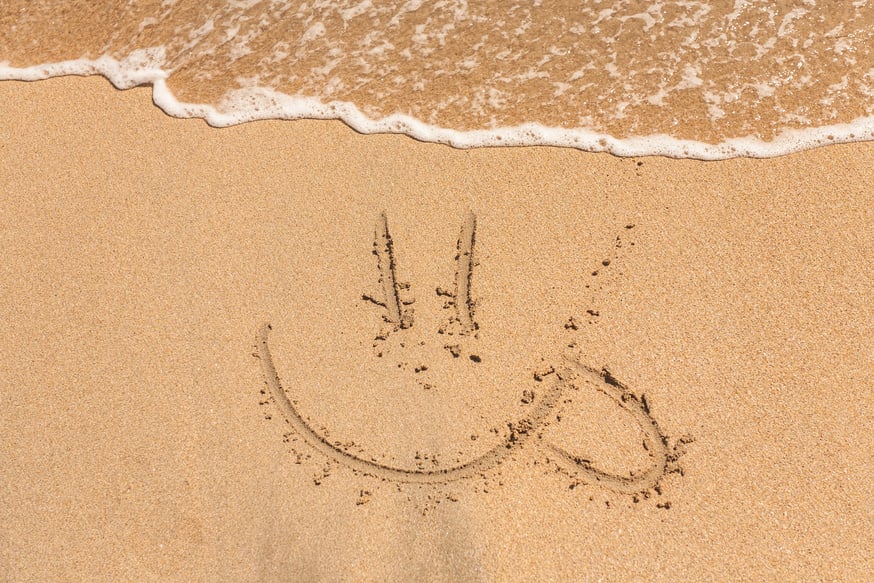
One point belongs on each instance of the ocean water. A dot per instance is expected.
(685, 78)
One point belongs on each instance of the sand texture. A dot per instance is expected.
(284, 351)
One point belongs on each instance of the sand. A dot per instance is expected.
(477, 349)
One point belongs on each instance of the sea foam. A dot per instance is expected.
(681, 79)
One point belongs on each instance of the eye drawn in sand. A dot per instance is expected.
(398, 312)
(398, 315)
(569, 375)
(464, 275)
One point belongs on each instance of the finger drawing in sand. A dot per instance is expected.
(397, 312)
(568, 375)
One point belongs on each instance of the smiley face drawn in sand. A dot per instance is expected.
(569, 375)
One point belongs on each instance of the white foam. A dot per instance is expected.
(143, 67)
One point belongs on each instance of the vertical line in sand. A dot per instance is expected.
(464, 273)
(386, 258)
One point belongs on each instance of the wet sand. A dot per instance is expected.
(666, 365)
(690, 78)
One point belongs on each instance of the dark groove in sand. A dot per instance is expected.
(464, 274)
(384, 250)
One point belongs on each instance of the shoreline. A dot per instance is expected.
(275, 106)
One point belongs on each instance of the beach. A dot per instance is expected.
(700, 333)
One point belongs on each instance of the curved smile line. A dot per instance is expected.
(655, 442)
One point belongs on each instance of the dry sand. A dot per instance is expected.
(142, 440)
